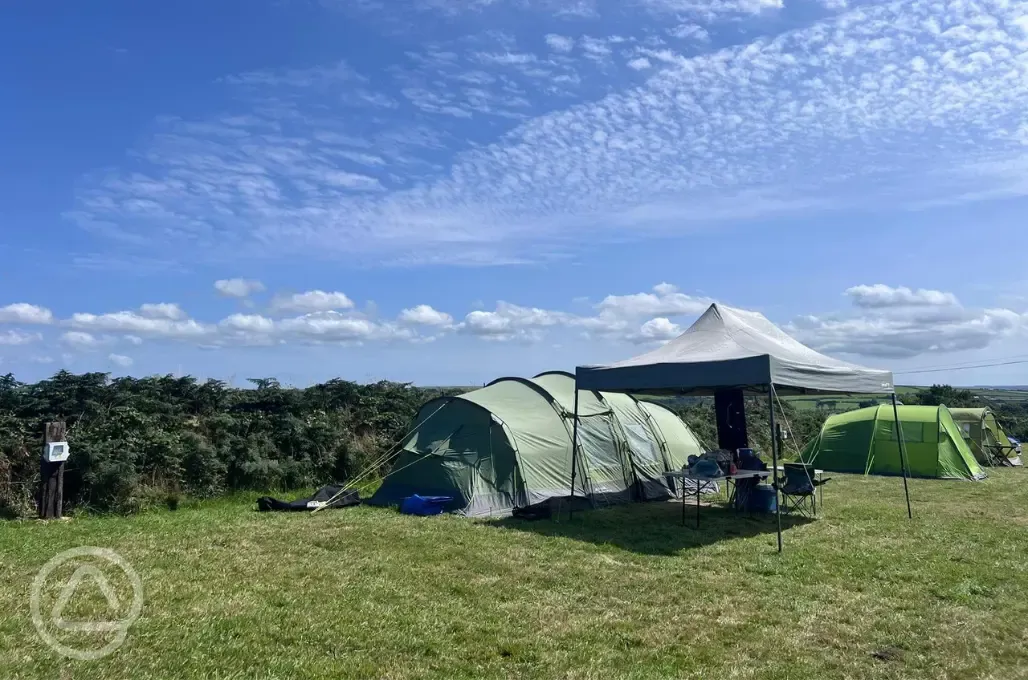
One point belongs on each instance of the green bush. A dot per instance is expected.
(136, 443)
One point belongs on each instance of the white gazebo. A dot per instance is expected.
(736, 349)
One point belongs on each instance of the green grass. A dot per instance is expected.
(619, 593)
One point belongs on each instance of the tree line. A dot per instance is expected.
(138, 442)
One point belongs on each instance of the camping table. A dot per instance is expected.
(685, 474)
(820, 489)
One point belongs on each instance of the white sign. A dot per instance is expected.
(56, 452)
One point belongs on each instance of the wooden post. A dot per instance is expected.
(51, 476)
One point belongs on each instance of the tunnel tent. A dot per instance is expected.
(635, 425)
(681, 442)
(864, 442)
(983, 433)
(604, 464)
(508, 446)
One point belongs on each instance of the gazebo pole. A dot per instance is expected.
(903, 452)
(774, 462)
(574, 455)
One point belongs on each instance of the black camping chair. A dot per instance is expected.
(799, 489)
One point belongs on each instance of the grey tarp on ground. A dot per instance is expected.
(729, 347)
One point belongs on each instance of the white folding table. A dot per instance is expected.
(702, 479)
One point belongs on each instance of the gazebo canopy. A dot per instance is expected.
(734, 348)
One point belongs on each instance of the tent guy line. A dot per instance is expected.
(962, 368)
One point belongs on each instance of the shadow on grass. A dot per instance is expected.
(654, 528)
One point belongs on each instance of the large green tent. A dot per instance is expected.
(864, 441)
(982, 432)
(507, 446)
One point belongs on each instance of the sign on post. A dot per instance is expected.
(51, 471)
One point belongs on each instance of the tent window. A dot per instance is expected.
(913, 433)
(640, 442)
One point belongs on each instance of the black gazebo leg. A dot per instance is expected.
(698, 487)
(903, 453)
(774, 462)
(574, 457)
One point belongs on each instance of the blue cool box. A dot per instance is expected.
(762, 499)
(424, 505)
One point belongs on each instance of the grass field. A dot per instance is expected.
(625, 592)
(850, 402)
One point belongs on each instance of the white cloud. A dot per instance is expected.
(512, 322)
(336, 327)
(351, 180)
(425, 315)
(248, 323)
(560, 43)
(238, 288)
(316, 327)
(133, 323)
(297, 78)
(595, 49)
(163, 310)
(882, 296)
(660, 329)
(690, 32)
(896, 337)
(507, 58)
(81, 341)
(902, 322)
(17, 337)
(615, 318)
(22, 312)
(640, 64)
(712, 10)
(884, 321)
(312, 301)
(120, 360)
(579, 9)
(812, 117)
(665, 301)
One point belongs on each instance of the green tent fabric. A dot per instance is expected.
(508, 446)
(679, 440)
(864, 441)
(983, 434)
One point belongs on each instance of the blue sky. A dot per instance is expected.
(446, 191)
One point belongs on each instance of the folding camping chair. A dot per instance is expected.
(799, 489)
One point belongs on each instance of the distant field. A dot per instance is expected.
(850, 402)
(996, 394)
(625, 592)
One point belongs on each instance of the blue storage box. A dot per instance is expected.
(424, 505)
(763, 499)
